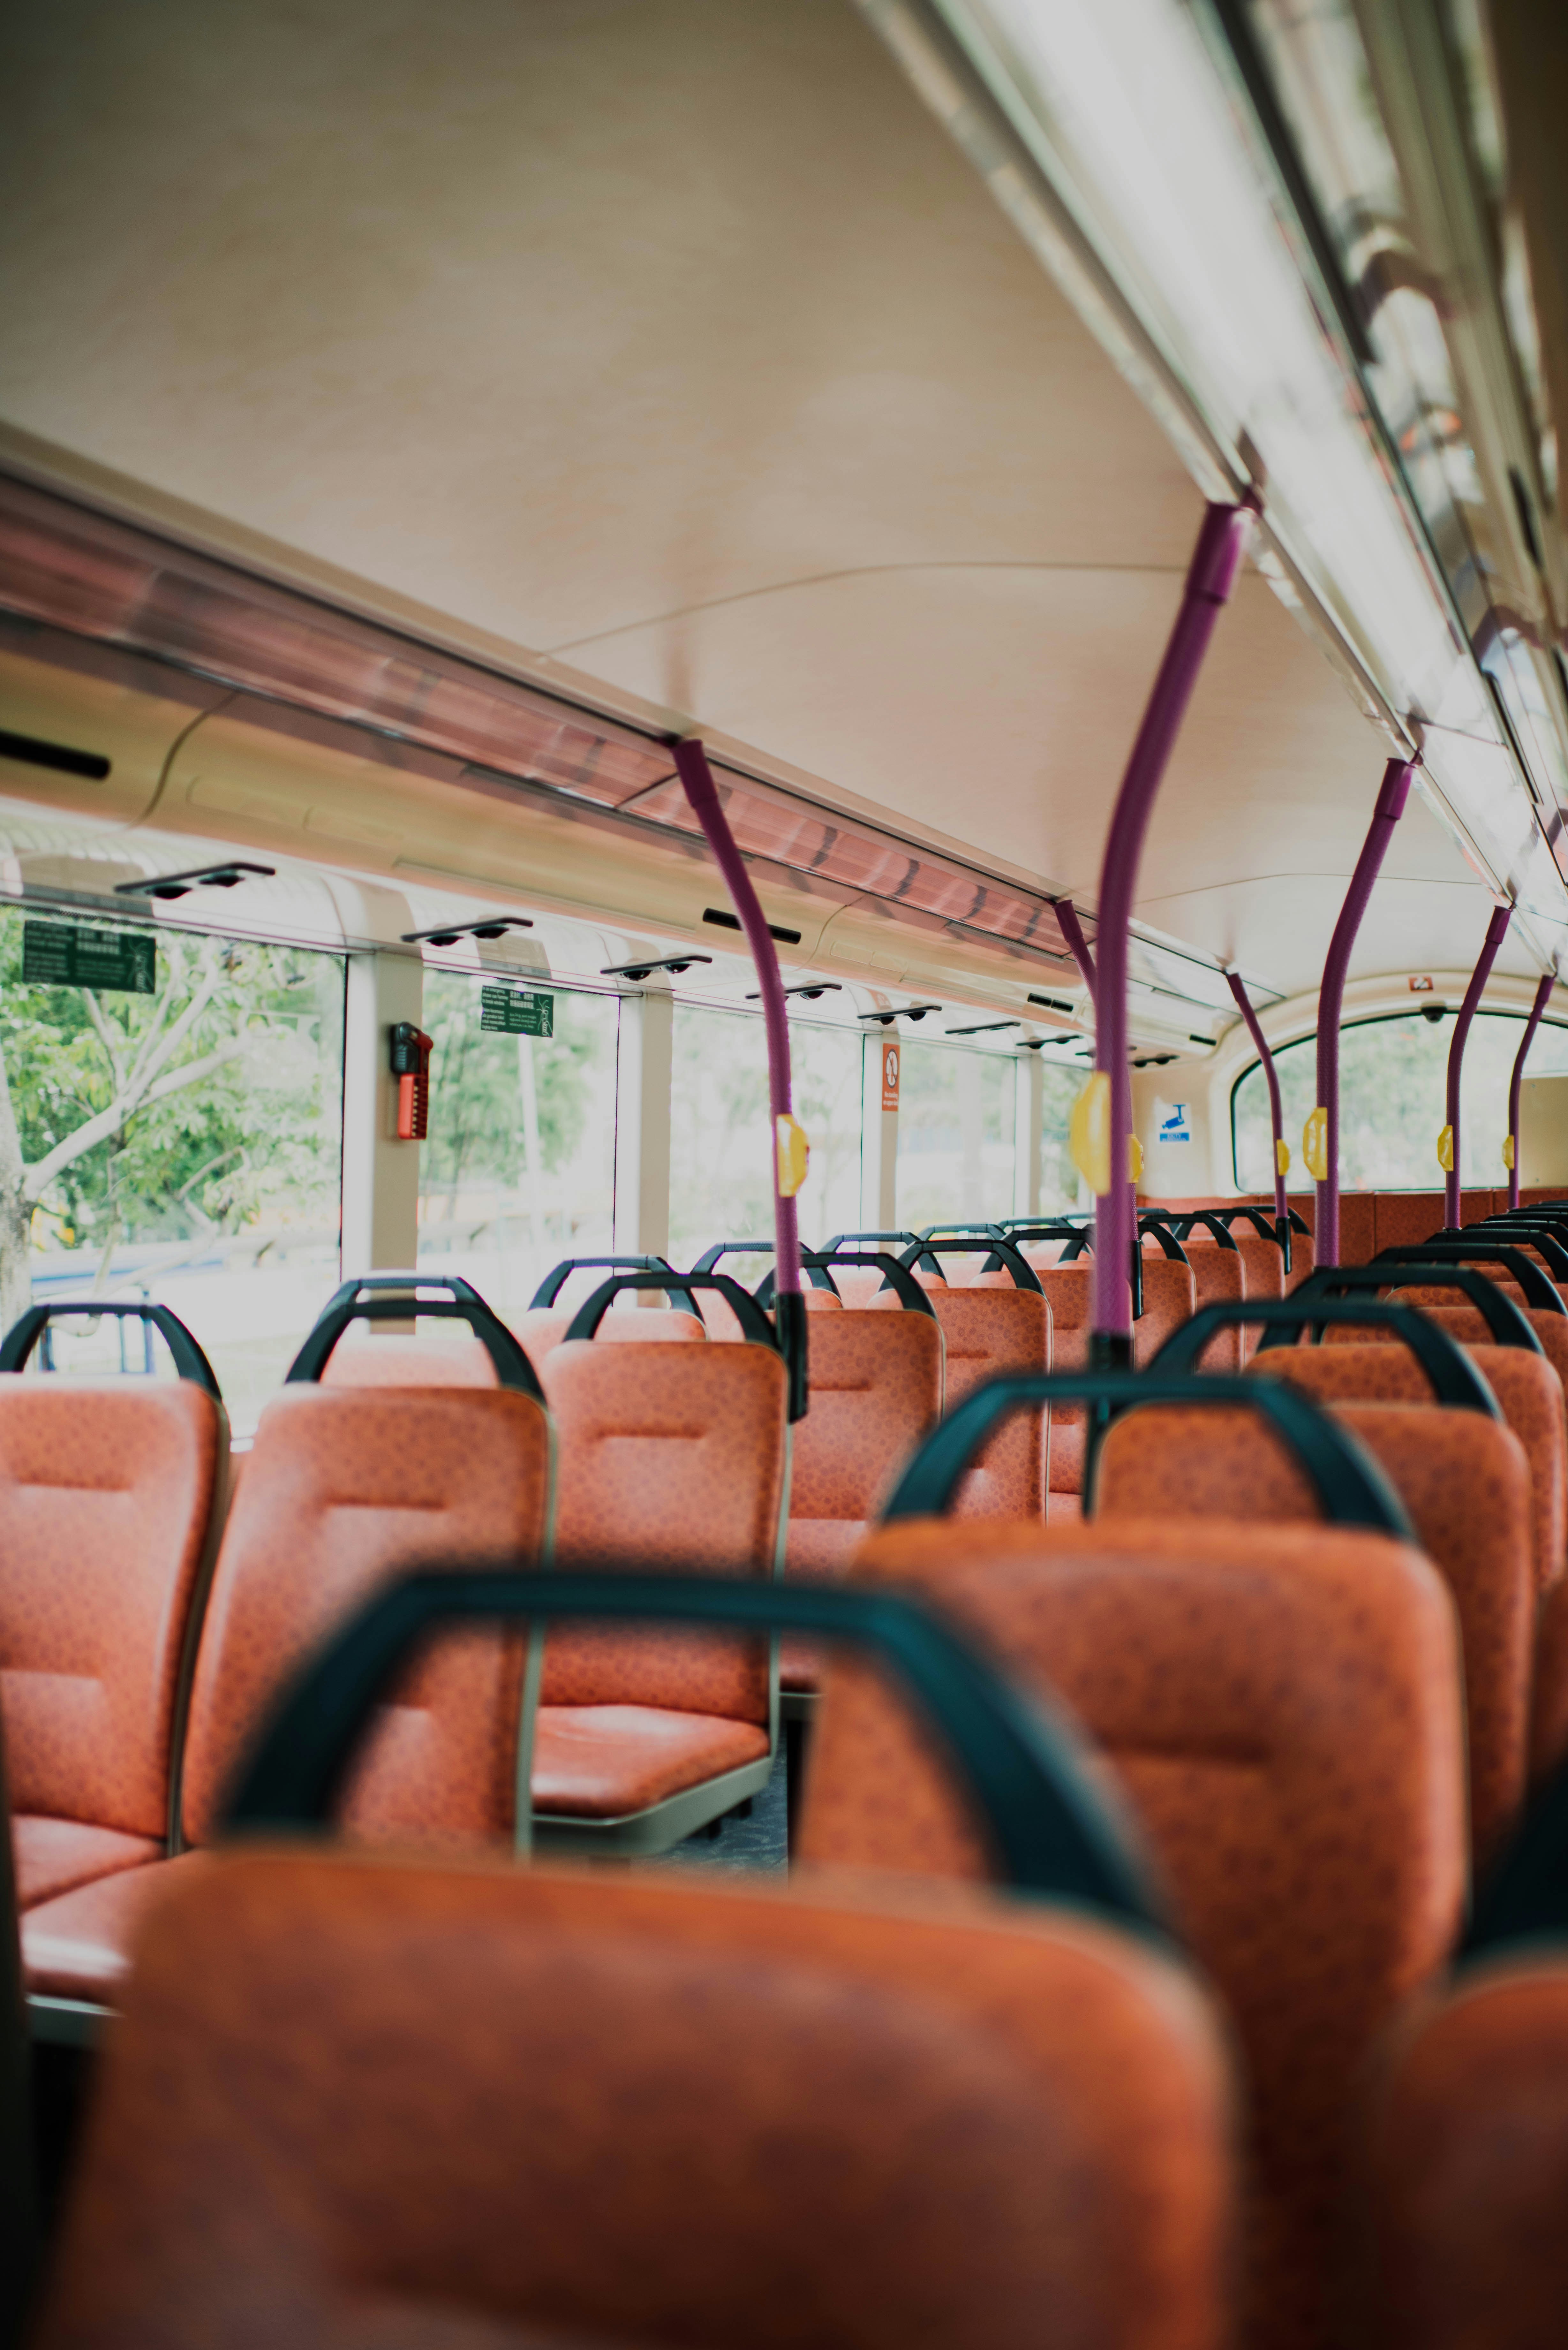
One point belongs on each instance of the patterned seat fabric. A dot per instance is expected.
(987, 1333)
(107, 1498)
(1465, 1481)
(520, 2108)
(670, 1460)
(1169, 1299)
(343, 1489)
(1528, 1392)
(876, 1392)
(543, 1327)
(1465, 2180)
(1281, 1703)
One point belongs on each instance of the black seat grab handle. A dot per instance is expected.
(1054, 1832)
(184, 1350)
(1351, 1488)
(1181, 1224)
(753, 1322)
(1440, 1250)
(811, 1266)
(1545, 1238)
(369, 1284)
(1505, 1322)
(998, 1252)
(512, 1368)
(894, 1277)
(556, 1280)
(1453, 1377)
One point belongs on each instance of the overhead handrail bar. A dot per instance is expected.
(1511, 1146)
(1276, 1111)
(1211, 574)
(1448, 1158)
(788, 1169)
(1320, 1141)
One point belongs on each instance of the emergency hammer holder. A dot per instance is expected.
(411, 1068)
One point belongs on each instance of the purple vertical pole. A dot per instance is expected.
(1271, 1079)
(1542, 998)
(1072, 930)
(1393, 793)
(1496, 930)
(1210, 577)
(789, 1311)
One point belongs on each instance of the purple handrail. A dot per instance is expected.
(1073, 931)
(697, 779)
(1271, 1079)
(1496, 930)
(1542, 998)
(1392, 794)
(1211, 574)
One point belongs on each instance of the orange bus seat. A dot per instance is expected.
(987, 1333)
(662, 1460)
(343, 1488)
(1282, 1704)
(1528, 1389)
(108, 1496)
(1464, 2178)
(1465, 1481)
(1169, 1299)
(529, 2106)
(875, 1393)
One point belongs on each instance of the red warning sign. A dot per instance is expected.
(889, 1077)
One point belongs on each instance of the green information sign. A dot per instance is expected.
(516, 1013)
(123, 961)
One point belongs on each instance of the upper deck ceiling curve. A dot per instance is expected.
(671, 345)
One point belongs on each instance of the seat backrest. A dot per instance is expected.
(397, 1362)
(542, 1327)
(876, 1392)
(665, 1459)
(343, 1489)
(1464, 1480)
(1169, 1299)
(108, 1495)
(1281, 1703)
(1549, 1704)
(704, 2100)
(1528, 1389)
(1220, 1274)
(1465, 2172)
(987, 1333)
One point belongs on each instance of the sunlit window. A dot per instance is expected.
(1392, 1081)
(955, 1134)
(721, 1162)
(171, 1129)
(518, 1169)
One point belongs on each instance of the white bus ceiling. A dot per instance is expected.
(672, 357)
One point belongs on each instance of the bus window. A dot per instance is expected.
(719, 1172)
(174, 1106)
(517, 1169)
(955, 1133)
(1392, 1076)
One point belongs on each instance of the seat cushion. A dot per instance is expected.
(52, 1857)
(75, 1947)
(601, 1762)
